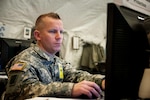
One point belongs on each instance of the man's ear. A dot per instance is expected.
(37, 35)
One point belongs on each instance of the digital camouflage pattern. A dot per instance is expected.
(34, 73)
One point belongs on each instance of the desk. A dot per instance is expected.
(53, 98)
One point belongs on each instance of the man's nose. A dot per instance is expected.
(58, 35)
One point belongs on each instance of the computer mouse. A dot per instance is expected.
(86, 97)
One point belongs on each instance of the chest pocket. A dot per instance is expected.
(44, 76)
(57, 72)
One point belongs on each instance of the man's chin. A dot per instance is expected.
(57, 50)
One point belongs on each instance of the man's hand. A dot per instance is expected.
(87, 88)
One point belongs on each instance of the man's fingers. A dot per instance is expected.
(94, 85)
(91, 89)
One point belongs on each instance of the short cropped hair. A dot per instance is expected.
(51, 14)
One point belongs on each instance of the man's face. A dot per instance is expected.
(51, 35)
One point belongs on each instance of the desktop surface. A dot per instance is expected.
(54, 98)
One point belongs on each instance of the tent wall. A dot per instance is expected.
(85, 19)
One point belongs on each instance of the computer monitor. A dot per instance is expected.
(126, 52)
(10, 48)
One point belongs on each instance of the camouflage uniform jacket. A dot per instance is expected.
(34, 73)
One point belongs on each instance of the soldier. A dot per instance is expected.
(37, 71)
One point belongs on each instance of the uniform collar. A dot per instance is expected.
(44, 54)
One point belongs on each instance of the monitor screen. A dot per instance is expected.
(10, 48)
(126, 52)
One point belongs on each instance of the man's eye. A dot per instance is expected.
(52, 31)
(61, 32)
(55, 31)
